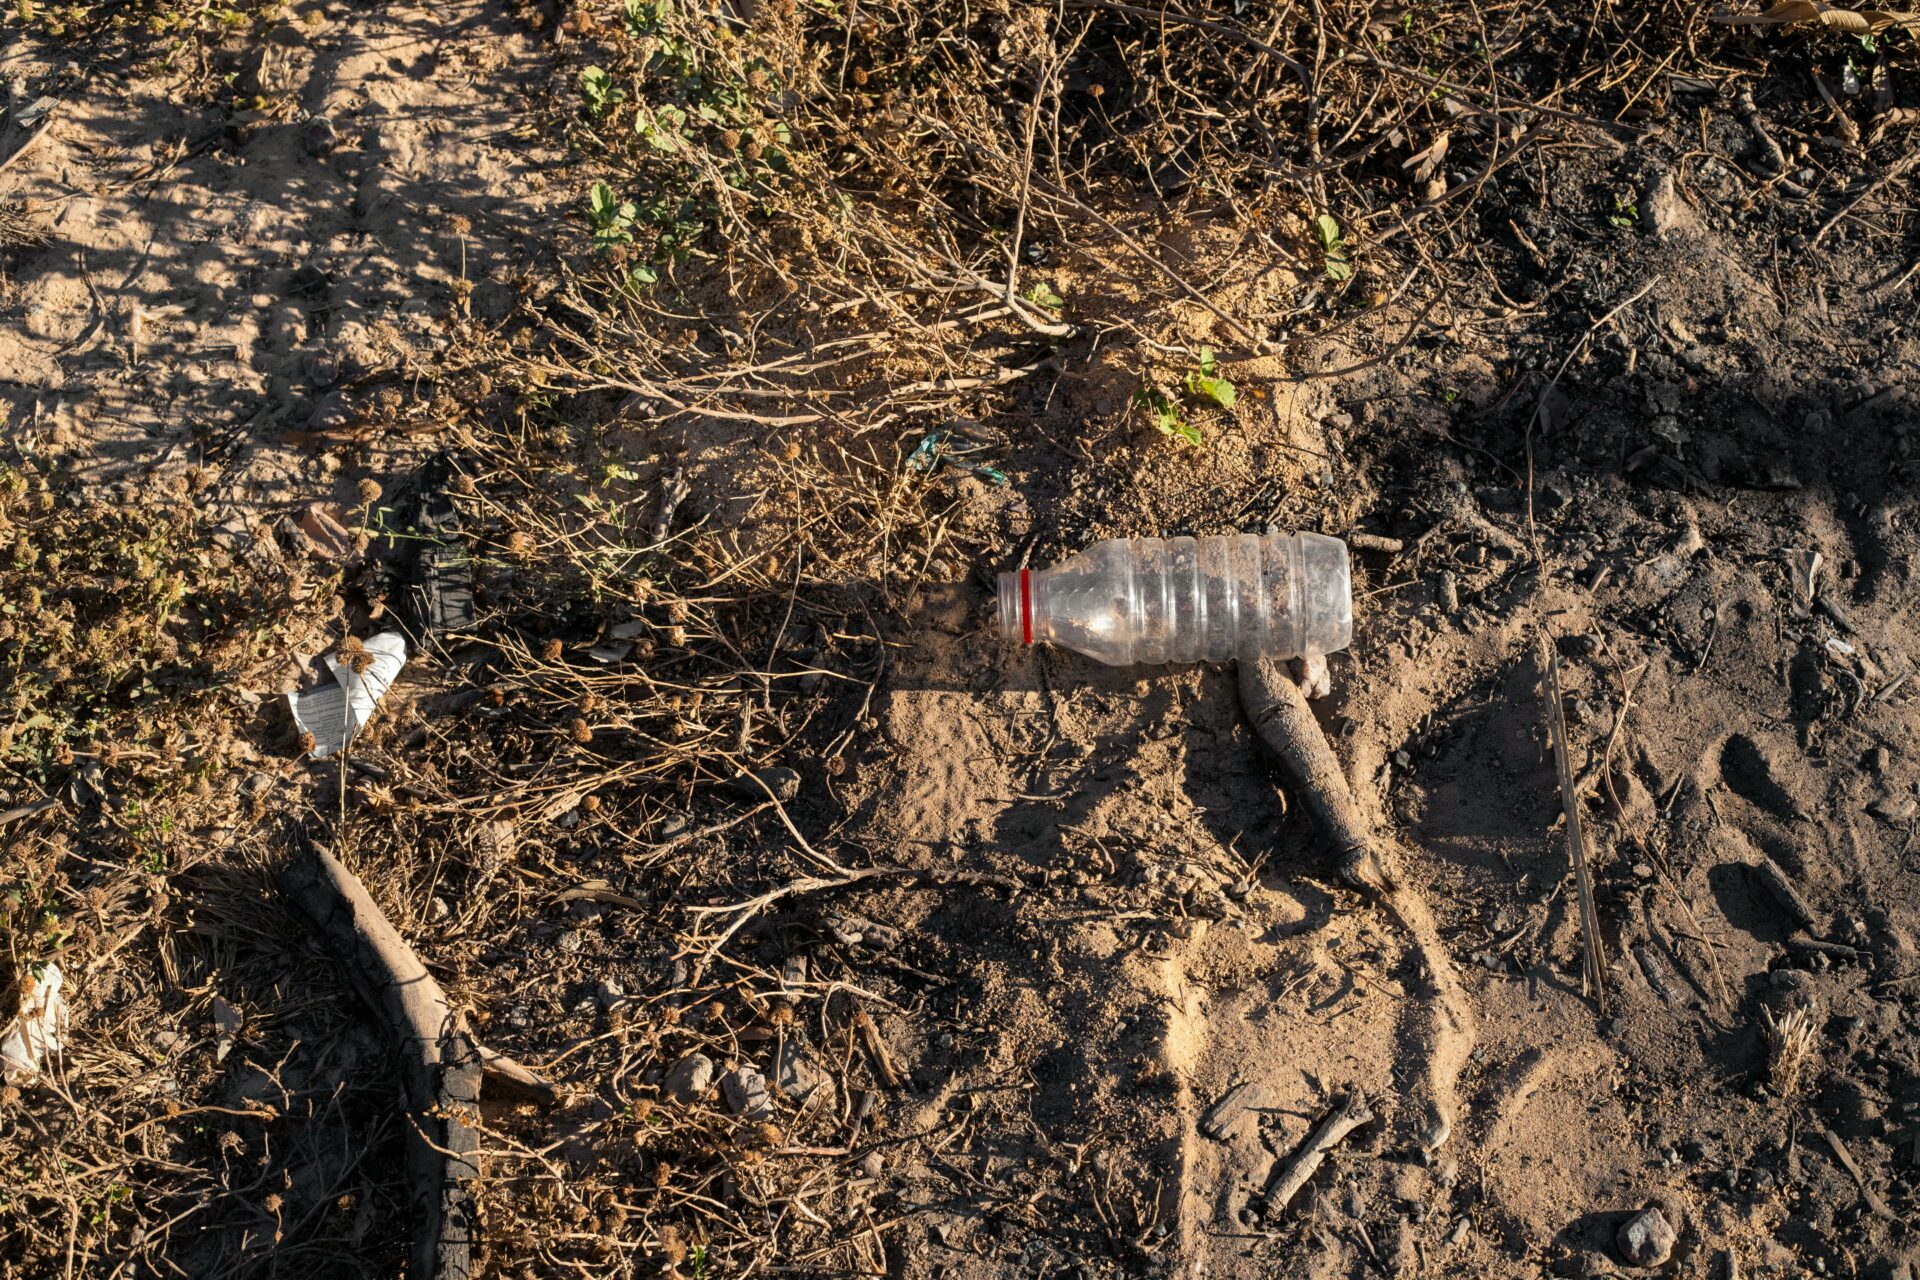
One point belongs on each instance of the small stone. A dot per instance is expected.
(318, 136)
(1666, 213)
(332, 413)
(746, 1092)
(784, 783)
(608, 992)
(1894, 808)
(871, 1164)
(689, 1078)
(1647, 1238)
(800, 1077)
(438, 909)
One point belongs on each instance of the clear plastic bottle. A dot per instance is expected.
(1156, 600)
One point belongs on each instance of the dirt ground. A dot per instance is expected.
(1615, 399)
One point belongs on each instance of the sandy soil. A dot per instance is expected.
(219, 279)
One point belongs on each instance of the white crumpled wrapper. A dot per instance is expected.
(333, 713)
(34, 1036)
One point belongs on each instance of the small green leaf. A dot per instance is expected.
(1339, 269)
(1208, 362)
(1218, 390)
(1041, 294)
(1329, 232)
(1164, 413)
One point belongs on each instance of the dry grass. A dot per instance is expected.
(1792, 1049)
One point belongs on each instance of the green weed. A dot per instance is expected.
(612, 217)
(1205, 383)
(598, 88)
(1333, 248)
(1041, 294)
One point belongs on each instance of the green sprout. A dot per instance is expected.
(1333, 248)
(612, 218)
(600, 92)
(1205, 383)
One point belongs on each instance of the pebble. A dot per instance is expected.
(747, 1096)
(783, 782)
(1894, 808)
(1647, 1238)
(800, 1077)
(318, 136)
(1665, 211)
(333, 412)
(689, 1078)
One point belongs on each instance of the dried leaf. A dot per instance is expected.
(226, 1024)
(1428, 162)
(1788, 12)
(1554, 408)
(1897, 118)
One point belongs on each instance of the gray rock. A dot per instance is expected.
(318, 136)
(783, 782)
(1647, 1238)
(1664, 209)
(1894, 807)
(747, 1096)
(800, 1078)
(689, 1077)
(333, 412)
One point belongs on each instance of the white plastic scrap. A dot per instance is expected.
(333, 713)
(34, 1035)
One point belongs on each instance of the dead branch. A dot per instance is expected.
(1593, 953)
(1285, 722)
(1296, 1172)
(443, 1063)
(1439, 1026)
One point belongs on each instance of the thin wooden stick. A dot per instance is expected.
(28, 810)
(1867, 1193)
(1594, 969)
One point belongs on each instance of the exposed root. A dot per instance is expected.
(1440, 1024)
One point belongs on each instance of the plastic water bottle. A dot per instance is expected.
(1141, 600)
